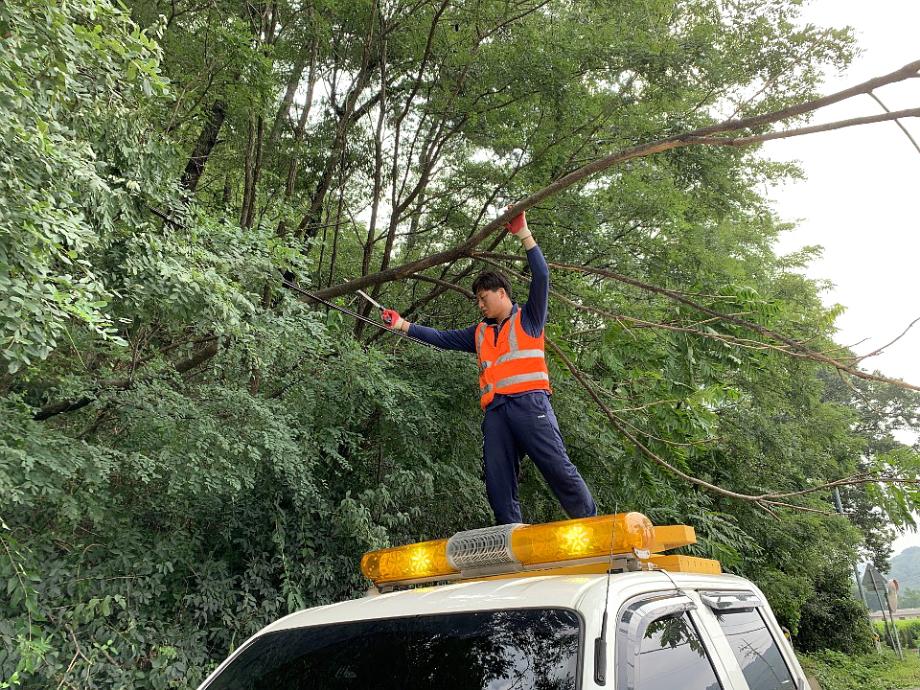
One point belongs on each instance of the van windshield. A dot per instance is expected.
(523, 649)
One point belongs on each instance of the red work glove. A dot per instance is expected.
(392, 319)
(517, 226)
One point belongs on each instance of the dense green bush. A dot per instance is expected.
(832, 619)
(908, 632)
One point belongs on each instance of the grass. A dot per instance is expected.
(908, 631)
(837, 671)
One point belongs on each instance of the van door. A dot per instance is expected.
(744, 630)
(658, 646)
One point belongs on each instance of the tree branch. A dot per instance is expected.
(54, 409)
(607, 162)
(763, 501)
(796, 348)
(800, 131)
(897, 122)
(884, 347)
(624, 319)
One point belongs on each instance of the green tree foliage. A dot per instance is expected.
(76, 151)
(908, 632)
(188, 450)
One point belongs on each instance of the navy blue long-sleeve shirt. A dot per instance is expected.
(533, 313)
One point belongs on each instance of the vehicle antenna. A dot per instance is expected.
(600, 643)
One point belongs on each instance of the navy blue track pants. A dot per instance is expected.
(521, 425)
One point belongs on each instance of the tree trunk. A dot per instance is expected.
(378, 175)
(285, 108)
(349, 114)
(293, 167)
(252, 171)
(203, 147)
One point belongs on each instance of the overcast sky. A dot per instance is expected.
(860, 199)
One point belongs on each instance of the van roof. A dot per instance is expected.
(550, 591)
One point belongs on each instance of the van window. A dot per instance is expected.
(755, 649)
(673, 656)
(523, 649)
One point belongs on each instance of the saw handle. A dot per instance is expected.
(390, 317)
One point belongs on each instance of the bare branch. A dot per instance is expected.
(800, 131)
(795, 348)
(625, 320)
(763, 501)
(54, 409)
(443, 284)
(897, 122)
(648, 452)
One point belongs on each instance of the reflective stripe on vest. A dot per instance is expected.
(521, 354)
(522, 378)
(480, 337)
(512, 380)
(519, 378)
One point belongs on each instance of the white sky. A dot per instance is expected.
(860, 199)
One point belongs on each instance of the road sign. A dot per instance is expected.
(874, 581)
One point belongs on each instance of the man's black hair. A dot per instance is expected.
(491, 280)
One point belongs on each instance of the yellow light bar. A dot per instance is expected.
(671, 537)
(687, 564)
(411, 562)
(582, 538)
(511, 548)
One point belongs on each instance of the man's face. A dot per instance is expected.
(492, 303)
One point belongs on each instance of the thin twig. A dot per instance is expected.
(796, 348)
(887, 345)
(897, 122)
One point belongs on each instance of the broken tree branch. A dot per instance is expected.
(884, 347)
(897, 122)
(599, 165)
(801, 131)
(764, 501)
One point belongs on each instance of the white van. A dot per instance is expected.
(570, 605)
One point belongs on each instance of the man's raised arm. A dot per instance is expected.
(533, 314)
(463, 339)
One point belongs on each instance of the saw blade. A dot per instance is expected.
(370, 299)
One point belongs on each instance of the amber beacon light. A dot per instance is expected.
(511, 548)
(424, 560)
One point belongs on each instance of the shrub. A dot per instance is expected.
(833, 619)
(908, 632)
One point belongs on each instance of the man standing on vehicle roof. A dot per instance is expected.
(513, 385)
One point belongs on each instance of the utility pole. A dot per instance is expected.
(892, 631)
(877, 583)
(862, 594)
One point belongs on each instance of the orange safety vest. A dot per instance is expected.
(513, 363)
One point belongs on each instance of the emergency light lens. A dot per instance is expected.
(415, 561)
(687, 564)
(669, 537)
(583, 538)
